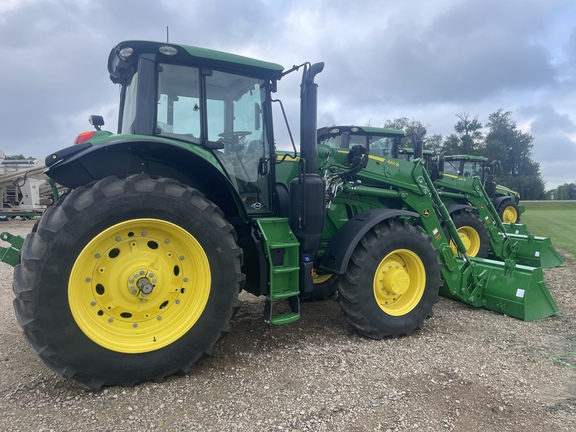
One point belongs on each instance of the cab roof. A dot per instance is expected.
(118, 61)
(327, 132)
(473, 158)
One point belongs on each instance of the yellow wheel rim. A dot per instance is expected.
(319, 279)
(471, 240)
(509, 215)
(399, 282)
(139, 285)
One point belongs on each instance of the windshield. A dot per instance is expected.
(452, 167)
(472, 169)
(379, 146)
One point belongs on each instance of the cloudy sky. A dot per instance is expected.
(420, 59)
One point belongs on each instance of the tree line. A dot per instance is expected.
(504, 142)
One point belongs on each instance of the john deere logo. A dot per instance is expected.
(426, 212)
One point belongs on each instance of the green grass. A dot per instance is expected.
(554, 219)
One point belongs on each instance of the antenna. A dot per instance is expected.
(167, 35)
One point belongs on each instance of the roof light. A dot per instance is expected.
(83, 137)
(96, 121)
(125, 53)
(168, 50)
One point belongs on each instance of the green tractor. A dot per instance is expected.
(135, 274)
(505, 200)
(469, 205)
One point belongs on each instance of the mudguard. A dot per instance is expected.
(339, 250)
(501, 199)
(121, 156)
(455, 207)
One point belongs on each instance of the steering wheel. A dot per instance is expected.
(237, 135)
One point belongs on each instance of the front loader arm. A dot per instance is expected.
(503, 287)
(524, 249)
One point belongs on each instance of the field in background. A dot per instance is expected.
(554, 219)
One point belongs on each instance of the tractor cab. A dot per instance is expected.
(379, 142)
(191, 96)
(185, 113)
(505, 199)
(466, 165)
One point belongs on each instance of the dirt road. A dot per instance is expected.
(467, 370)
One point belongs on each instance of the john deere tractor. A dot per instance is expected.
(469, 205)
(505, 200)
(134, 275)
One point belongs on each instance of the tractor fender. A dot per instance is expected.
(339, 250)
(455, 207)
(197, 167)
(501, 199)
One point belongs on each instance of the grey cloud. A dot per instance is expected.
(383, 59)
(470, 52)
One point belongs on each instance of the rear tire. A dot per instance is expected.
(123, 282)
(509, 212)
(392, 281)
(473, 233)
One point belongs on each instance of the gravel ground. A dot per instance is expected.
(467, 370)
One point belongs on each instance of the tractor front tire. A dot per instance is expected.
(509, 212)
(473, 233)
(128, 280)
(392, 281)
